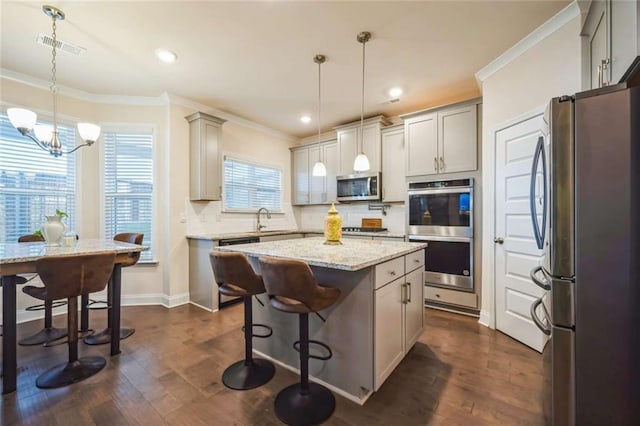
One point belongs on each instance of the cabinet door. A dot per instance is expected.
(388, 339)
(421, 138)
(458, 139)
(371, 146)
(393, 170)
(598, 46)
(624, 36)
(316, 183)
(414, 308)
(300, 172)
(332, 161)
(347, 145)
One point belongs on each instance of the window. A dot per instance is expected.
(128, 185)
(33, 183)
(249, 186)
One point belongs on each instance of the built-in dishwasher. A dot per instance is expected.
(224, 300)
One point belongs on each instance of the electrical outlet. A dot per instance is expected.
(183, 218)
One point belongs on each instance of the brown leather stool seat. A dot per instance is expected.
(70, 277)
(104, 336)
(49, 333)
(292, 288)
(235, 277)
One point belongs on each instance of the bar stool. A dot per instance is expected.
(235, 277)
(104, 336)
(49, 333)
(69, 277)
(293, 289)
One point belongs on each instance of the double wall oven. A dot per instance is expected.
(441, 214)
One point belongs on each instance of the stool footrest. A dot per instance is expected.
(261, 336)
(94, 302)
(41, 307)
(296, 346)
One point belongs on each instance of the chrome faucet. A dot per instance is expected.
(268, 217)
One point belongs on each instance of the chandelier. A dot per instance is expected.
(46, 137)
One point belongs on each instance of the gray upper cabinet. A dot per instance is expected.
(351, 140)
(309, 189)
(441, 141)
(611, 41)
(393, 169)
(205, 159)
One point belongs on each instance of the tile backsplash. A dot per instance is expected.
(312, 217)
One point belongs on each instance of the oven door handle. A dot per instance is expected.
(536, 320)
(542, 284)
(457, 190)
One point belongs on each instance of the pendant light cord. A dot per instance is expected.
(362, 103)
(319, 108)
(54, 87)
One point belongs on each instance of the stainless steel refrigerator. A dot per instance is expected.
(585, 209)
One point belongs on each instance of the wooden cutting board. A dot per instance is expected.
(371, 223)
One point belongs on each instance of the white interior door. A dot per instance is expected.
(518, 254)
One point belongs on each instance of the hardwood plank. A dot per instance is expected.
(169, 372)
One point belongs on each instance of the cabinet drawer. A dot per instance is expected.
(414, 260)
(442, 295)
(389, 271)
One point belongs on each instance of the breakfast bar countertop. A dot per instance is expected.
(351, 255)
(268, 233)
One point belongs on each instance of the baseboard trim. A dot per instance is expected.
(485, 318)
(202, 307)
(175, 300)
(127, 300)
(359, 401)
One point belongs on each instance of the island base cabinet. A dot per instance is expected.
(389, 344)
(414, 309)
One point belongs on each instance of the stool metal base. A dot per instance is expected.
(244, 375)
(69, 373)
(294, 408)
(44, 336)
(104, 337)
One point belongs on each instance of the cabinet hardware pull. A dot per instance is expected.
(409, 293)
(600, 75)
(437, 295)
(392, 273)
(441, 164)
(435, 163)
(498, 240)
(416, 260)
(605, 66)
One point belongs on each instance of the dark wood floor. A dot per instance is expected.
(169, 373)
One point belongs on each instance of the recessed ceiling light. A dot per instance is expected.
(305, 119)
(166, 55)
(395, 92)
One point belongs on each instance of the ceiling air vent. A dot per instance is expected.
(46, 40)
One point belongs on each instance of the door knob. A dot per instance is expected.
(498, 240)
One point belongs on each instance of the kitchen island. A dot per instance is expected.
(377, 319)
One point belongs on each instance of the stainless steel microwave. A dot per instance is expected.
(361, 186)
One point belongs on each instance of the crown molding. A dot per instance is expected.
(179, 100)
(536, 36)
(80, 94)
(162, 100)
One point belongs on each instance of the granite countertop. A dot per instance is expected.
(222, 236)
(28, 252)
(352, 255)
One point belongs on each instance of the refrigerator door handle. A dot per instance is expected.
(536, 320)
(542, 284)
(538, 233)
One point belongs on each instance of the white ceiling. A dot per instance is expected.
(255, 59)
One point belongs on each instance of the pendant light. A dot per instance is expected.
(24, 120)
(319, 169)
(361, 163)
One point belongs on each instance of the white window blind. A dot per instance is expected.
(34, 183)
(249, 186)
(128, 185)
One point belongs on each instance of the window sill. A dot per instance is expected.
(148, 262)
(243, 211)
